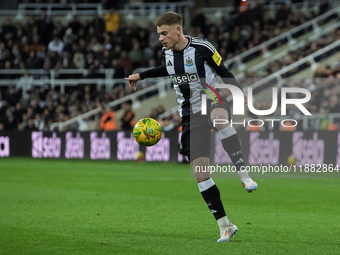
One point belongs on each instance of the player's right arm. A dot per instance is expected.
(159, 71)
(132, 81)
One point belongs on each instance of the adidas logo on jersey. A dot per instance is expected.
(184, 78)
(169, 63)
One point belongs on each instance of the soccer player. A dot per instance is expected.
(192, 63)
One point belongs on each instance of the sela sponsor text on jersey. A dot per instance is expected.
(184, 78)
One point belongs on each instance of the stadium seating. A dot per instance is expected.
(86, 71)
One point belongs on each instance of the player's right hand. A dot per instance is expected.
(132, 81)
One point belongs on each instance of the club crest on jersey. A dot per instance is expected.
(184, 78)
(189, 61)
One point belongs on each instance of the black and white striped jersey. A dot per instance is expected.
(190, 70)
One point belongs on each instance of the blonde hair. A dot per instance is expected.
(169, 18)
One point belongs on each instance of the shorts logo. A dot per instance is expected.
(184, 78)
(215, 92)
(204, 98)
(189, 62)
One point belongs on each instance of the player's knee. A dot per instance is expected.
(220, 119)
(201, 168)
(219, 114)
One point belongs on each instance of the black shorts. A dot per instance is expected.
(196, 132)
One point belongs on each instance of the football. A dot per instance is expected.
(139, 156)
(147, 132)
(291, 160)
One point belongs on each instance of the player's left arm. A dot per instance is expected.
(214, 59)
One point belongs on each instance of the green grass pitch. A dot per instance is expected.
(102, 207)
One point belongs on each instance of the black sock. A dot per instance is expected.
(211, 196)
(231, 144)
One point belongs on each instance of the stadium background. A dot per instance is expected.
(63, 95)
(63, 64)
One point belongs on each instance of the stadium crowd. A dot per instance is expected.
(293, 56)
(108, 42)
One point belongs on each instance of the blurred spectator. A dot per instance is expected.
(127, 120)
(33, 62)
(125, 62)
(99, 25)
(37, 46)
(199, 25)
(107, 44)
(136, 55)
(95, 68)
(79, 60)
(154, 113)
(10, 122)
(30, 125)
(7, 66)
(94, 45)
(56, 45)
(66, 61)
(324, 7)
(75, 25)
(117, 50)
(283, 13)
(45, 27)
(108, 121)
(18, 112)
(111, 21)
(106, 59)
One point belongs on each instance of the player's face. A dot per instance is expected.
(168, 35)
